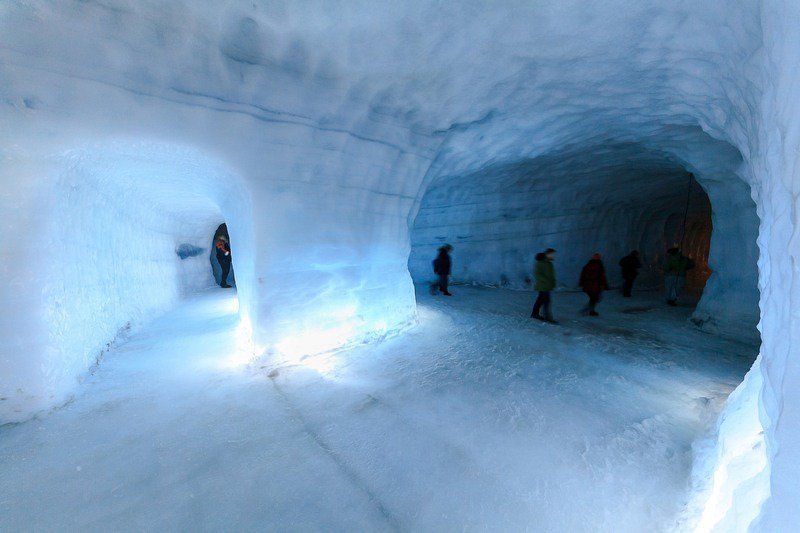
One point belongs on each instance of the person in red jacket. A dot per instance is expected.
(593, 281)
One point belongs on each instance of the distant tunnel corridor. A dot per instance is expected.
(608, 198)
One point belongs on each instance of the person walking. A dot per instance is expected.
(442, 266)
(224, 259)
(593, 281)
(675, 267)
(630, 265)
(544, 281)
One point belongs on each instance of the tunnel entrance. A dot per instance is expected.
(609, 198)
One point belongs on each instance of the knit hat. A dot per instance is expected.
(596, 256)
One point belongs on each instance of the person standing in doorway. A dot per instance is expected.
(593, 282)
(224, 259)
(442, 266)
(675, 267)
(630, 265)
(544, 281)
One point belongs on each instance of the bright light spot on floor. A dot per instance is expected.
(243, 350)
(314, 341)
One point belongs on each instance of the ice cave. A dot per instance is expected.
(337, 146)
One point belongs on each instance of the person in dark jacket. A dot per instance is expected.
(224, 259)
(675, 267)
(630, 265)
(442, 266)
(593, 281)
(544, 281)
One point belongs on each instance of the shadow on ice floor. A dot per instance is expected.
(477, 418)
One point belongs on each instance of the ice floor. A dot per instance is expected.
(476, 419)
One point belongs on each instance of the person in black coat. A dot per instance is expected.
(442, 266)
(630, 265)
(224, 259)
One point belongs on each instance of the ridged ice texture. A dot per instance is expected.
(335, 119)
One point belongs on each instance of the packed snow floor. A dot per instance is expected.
(477, 418)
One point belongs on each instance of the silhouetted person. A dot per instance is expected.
(544, 281)
(224, 259)
(675, 267)
(630, 265)
(593, 281)
(442, 266)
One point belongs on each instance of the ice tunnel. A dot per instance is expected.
(125, 227)
(609, 198)
(340, 144)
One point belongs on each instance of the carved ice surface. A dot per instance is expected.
(341, 142)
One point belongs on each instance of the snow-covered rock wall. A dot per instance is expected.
(321, 133)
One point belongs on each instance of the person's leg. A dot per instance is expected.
(226, 268)
(434, 288)
(443, 285)
(586, 308)
(548, 309)
(679, 282)
(669, 288)
(537, 305)
(628, 287)
(593, 299)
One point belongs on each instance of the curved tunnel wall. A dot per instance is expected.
(337, 132)
(608, 198)
(111, 221)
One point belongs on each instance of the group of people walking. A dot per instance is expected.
(593, 279)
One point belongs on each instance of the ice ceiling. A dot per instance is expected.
(318, 133)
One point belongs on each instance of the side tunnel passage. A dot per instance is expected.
(127, 232)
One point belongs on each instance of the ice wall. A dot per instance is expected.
(611, 199)
(98, 257)
(337, 119)
(319, 215)
(608, 198)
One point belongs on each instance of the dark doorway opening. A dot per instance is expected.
(218, 260)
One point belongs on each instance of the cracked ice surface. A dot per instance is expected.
(477, 418)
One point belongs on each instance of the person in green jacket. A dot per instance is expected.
(544, 281)
(675, 267)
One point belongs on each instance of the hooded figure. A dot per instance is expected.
(544, 281)
(630, 266)
(442, 266)
(675, 267)
(593, 281)
(224, 259)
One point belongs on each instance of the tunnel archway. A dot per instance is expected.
(127, 233)
(614, 197)
(610, 197)
(216, 267)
